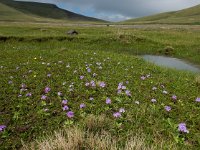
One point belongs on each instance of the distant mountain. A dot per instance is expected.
(33, 11)
(186, 16)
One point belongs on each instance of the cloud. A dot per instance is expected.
(121, 9)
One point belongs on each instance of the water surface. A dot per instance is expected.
(171, 63)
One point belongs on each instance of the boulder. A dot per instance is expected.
(72, 32)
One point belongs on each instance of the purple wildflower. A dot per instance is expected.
(174, 97)
(108, 101)
(119, 91)
(92, 83)
(168, 108)
(47, 89)
(182, 128)
(122, 110)
(198, 99)
(49, 75)
(43, 97)
(64, 102)
(2, 127)
(65, 108)
(102, 84)
(89, 70)
(70, 114)
(82, 105)
(128, 93)
(119, 86)
(123, 87)
(29, 94)
(81, 77)
(117, 114)
(153, 100)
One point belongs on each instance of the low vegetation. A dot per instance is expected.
(91, 89)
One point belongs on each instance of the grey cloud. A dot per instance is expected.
(125, 8)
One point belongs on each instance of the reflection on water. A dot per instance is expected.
(171, 62)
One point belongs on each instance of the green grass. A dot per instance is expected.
(39, 12)
(110, 53)
(185, 16)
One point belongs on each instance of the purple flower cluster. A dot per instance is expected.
(119, 114)
(122, 88)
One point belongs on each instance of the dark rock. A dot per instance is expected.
(72, 32)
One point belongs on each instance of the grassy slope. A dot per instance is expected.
(41, 10)
(185, 16)
(25, 116)
(7, 13)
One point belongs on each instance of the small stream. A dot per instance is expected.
(171, 63)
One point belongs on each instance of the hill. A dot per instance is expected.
(186, 16)
(34, 11)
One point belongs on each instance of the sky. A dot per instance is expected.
(118, 10)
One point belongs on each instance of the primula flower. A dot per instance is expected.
(119, 91)
(89, 70)
(167, 108)
(82, 105)
(92, 83)
(119, 86)
(108, 101)
(65, 108)
(28, 94)
(117, 114)
(81, 77)
(128, 93)
(198, 99)
(43, 97)
(174, 97)
(64, 102)
(123, 87)
(2, 127)
(182, 128)
(70, 114)
(102, 84)
(47, 89)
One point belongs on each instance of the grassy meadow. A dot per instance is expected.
(92, 91)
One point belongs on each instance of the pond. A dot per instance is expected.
(171, 63)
